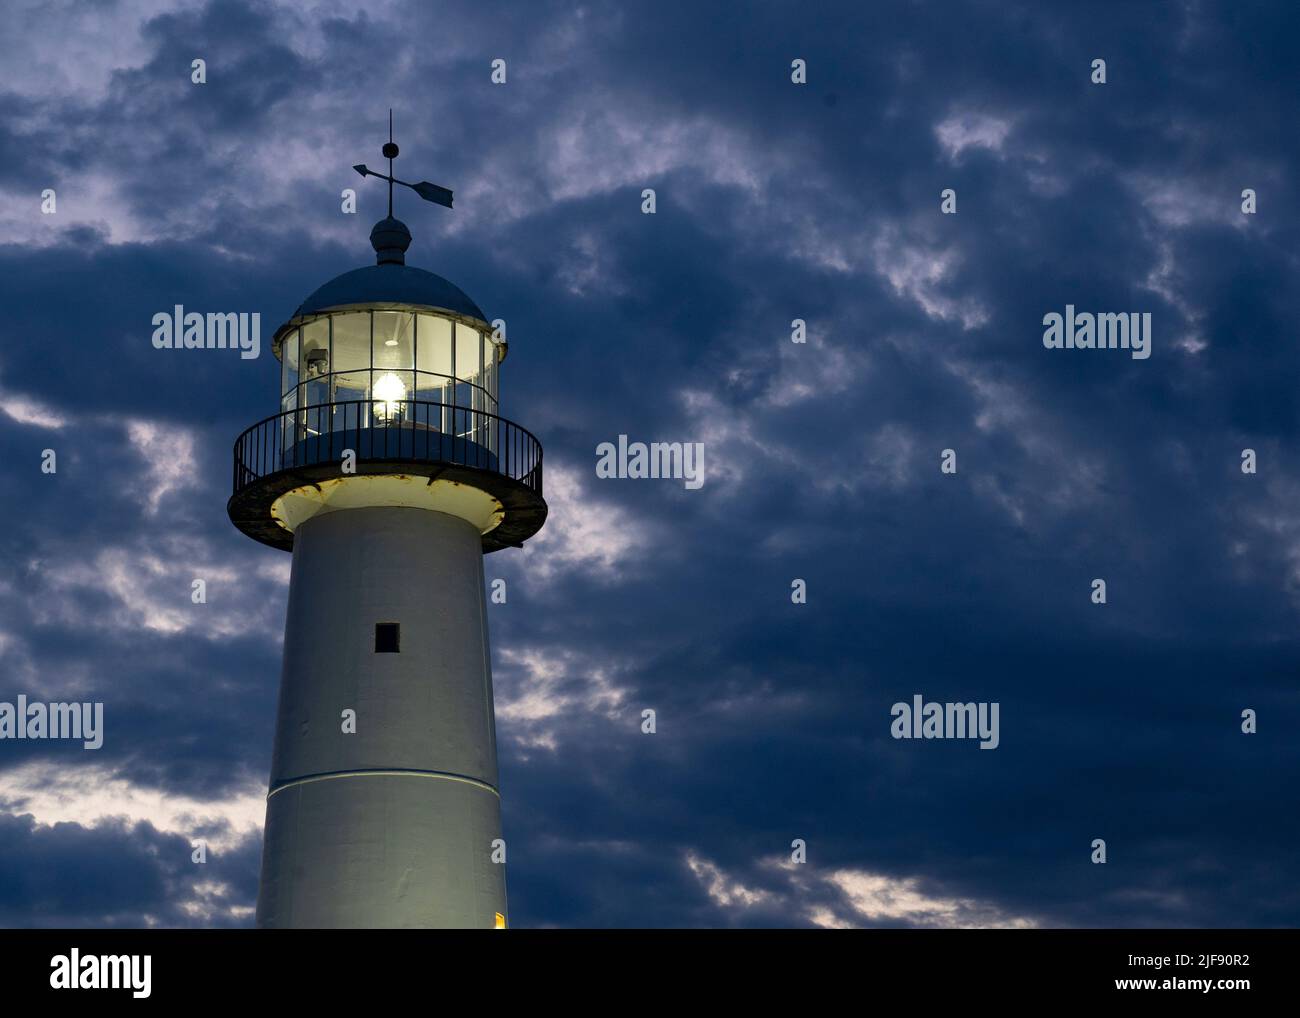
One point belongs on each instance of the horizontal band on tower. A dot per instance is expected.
(387, 773)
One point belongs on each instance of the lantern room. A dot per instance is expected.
(348, 359)
(389, 389)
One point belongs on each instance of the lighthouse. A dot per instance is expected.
(388, 472)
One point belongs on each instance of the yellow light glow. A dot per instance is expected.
(501, 922)
(391, 390)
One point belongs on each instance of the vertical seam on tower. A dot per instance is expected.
(487, 663)
(488, 705)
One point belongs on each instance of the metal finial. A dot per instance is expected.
(429, 192)
(390, 153)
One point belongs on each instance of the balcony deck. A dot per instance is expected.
(305, 446)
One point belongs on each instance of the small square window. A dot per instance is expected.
(387, 637)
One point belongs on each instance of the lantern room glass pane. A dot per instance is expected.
(469, 360)
(289, 422)
(314, 392)
(433, 380)
(433, 346)
(352, 341)
(431, 388)
(315, 362)
(394, 347)
(289, 364)
(350, 387)
(313, 402)
(477, 396)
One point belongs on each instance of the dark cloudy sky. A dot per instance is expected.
(775, 201)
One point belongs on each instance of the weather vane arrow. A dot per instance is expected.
(427, 191)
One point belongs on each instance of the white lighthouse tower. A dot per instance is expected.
(388, 473)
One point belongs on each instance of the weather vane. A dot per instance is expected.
(429, 192)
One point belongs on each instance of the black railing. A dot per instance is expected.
(388, 430)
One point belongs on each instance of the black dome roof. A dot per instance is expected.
(391, 284)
